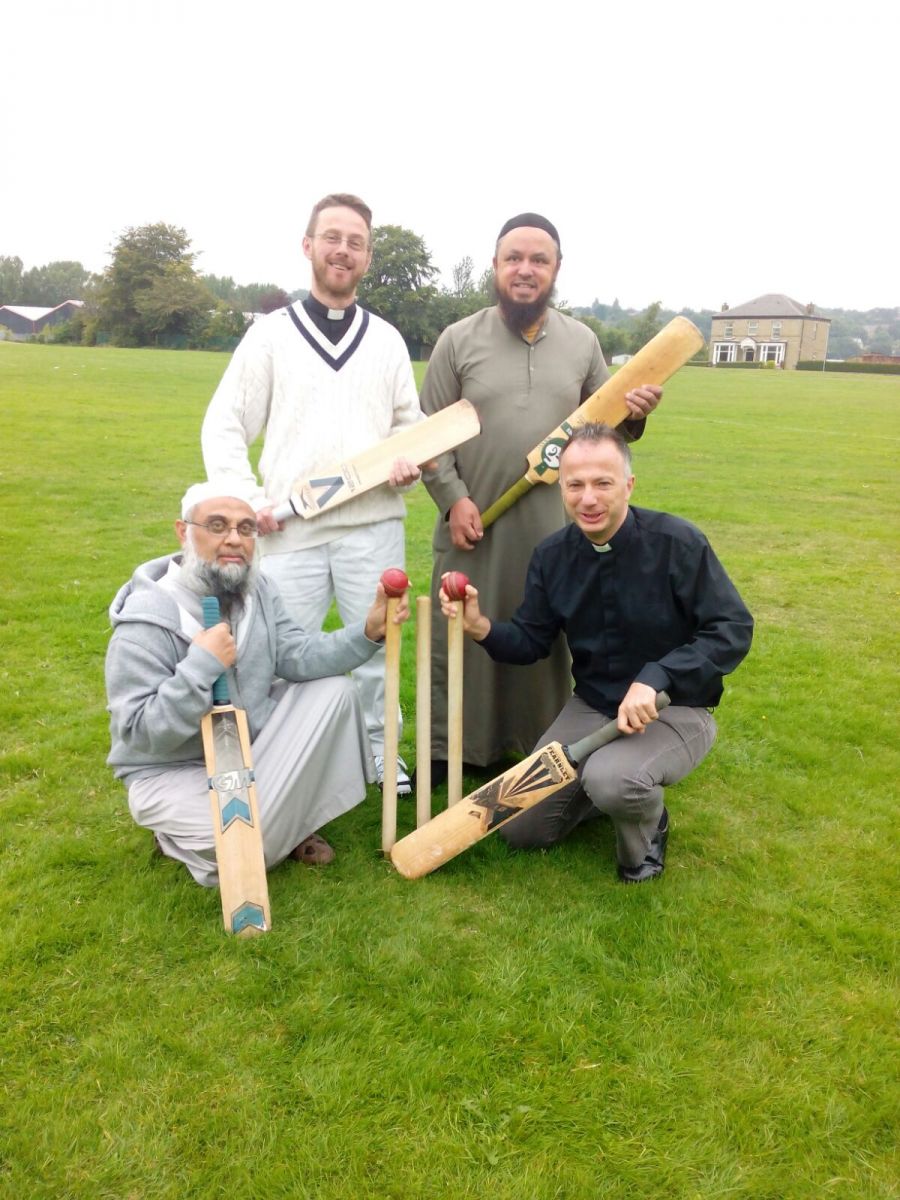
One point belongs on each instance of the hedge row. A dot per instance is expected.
(863, 368)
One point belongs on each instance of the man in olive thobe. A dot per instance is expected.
(525, 366)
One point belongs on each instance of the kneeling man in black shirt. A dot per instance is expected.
(645, 606)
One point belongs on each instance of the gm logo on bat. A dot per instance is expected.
(232, 781)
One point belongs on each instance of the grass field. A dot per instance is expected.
(514, 1027)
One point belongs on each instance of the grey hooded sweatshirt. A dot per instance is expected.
(159, 683)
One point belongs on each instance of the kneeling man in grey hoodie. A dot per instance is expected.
(311, 752)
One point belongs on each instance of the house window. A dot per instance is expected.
(772, 352)
(776, 329)
(729, 329)
(724, 352)
(753, 327)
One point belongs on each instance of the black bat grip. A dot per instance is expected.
(605, 734)
(212, 616)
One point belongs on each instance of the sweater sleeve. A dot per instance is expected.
(238, 413)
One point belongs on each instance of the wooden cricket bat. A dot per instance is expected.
(654, 364)
(419, 443)
(503, 799)
(235, 813)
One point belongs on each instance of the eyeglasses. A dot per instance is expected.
(219, 527)
(355, 243)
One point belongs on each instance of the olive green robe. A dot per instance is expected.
(521, 391)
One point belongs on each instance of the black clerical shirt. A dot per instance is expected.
(654, 607)
(333, 329)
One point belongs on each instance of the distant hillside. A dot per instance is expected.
(874, 332)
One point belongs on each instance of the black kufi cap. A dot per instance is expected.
(530, 220)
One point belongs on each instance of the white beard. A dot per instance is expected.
(230, 583)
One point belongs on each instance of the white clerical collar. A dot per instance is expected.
(607, 546)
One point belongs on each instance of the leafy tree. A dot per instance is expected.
(10, 280)
(222, 287)
(463, 284)
(271, 300)
(485, 286)
(150, 289)
(646, 326)
(174, 303)
(613, 339)
(398, 284)
(226, 323)
(53, 283)
(882, 342)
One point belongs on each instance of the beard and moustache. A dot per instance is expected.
(520, 317)
(229, 583)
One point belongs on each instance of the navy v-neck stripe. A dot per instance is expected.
(334, 363)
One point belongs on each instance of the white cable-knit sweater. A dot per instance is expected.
(318, 404)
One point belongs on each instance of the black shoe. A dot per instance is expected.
(655, 861)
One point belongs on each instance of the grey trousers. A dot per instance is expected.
(624, 779)
(311, 763)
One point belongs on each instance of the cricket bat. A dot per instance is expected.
(419, 443)
(502, 799)
(654, 364)
(235, 813)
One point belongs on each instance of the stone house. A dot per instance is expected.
(771, 328)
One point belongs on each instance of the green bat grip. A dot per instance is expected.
(607, 733)
(212, 616)
(507, 500)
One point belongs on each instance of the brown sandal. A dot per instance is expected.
(314, 851)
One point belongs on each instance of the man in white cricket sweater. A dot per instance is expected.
(323, 379)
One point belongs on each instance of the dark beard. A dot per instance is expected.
(520, 317)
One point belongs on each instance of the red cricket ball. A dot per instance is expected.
(455, 584)
(394, 581)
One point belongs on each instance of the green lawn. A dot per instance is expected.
(514, 1027)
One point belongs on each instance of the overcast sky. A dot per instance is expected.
(691, 153)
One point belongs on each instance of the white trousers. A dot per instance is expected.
(346, 570)
(311, 763)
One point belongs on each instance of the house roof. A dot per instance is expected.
(32, 313)
(772, 305)
(26, 311)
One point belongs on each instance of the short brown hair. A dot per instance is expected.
(595, 432)
(339, 200)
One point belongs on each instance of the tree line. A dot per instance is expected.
(152, 294)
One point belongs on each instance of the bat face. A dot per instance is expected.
(243, 887)
(318, 494)
(232, 779)
(239, 852)
(419, 443)
(505, 797)
(483, 811)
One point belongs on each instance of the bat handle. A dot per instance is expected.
(281, 512)
(507, 500)
(607, 733)
(212, 616)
